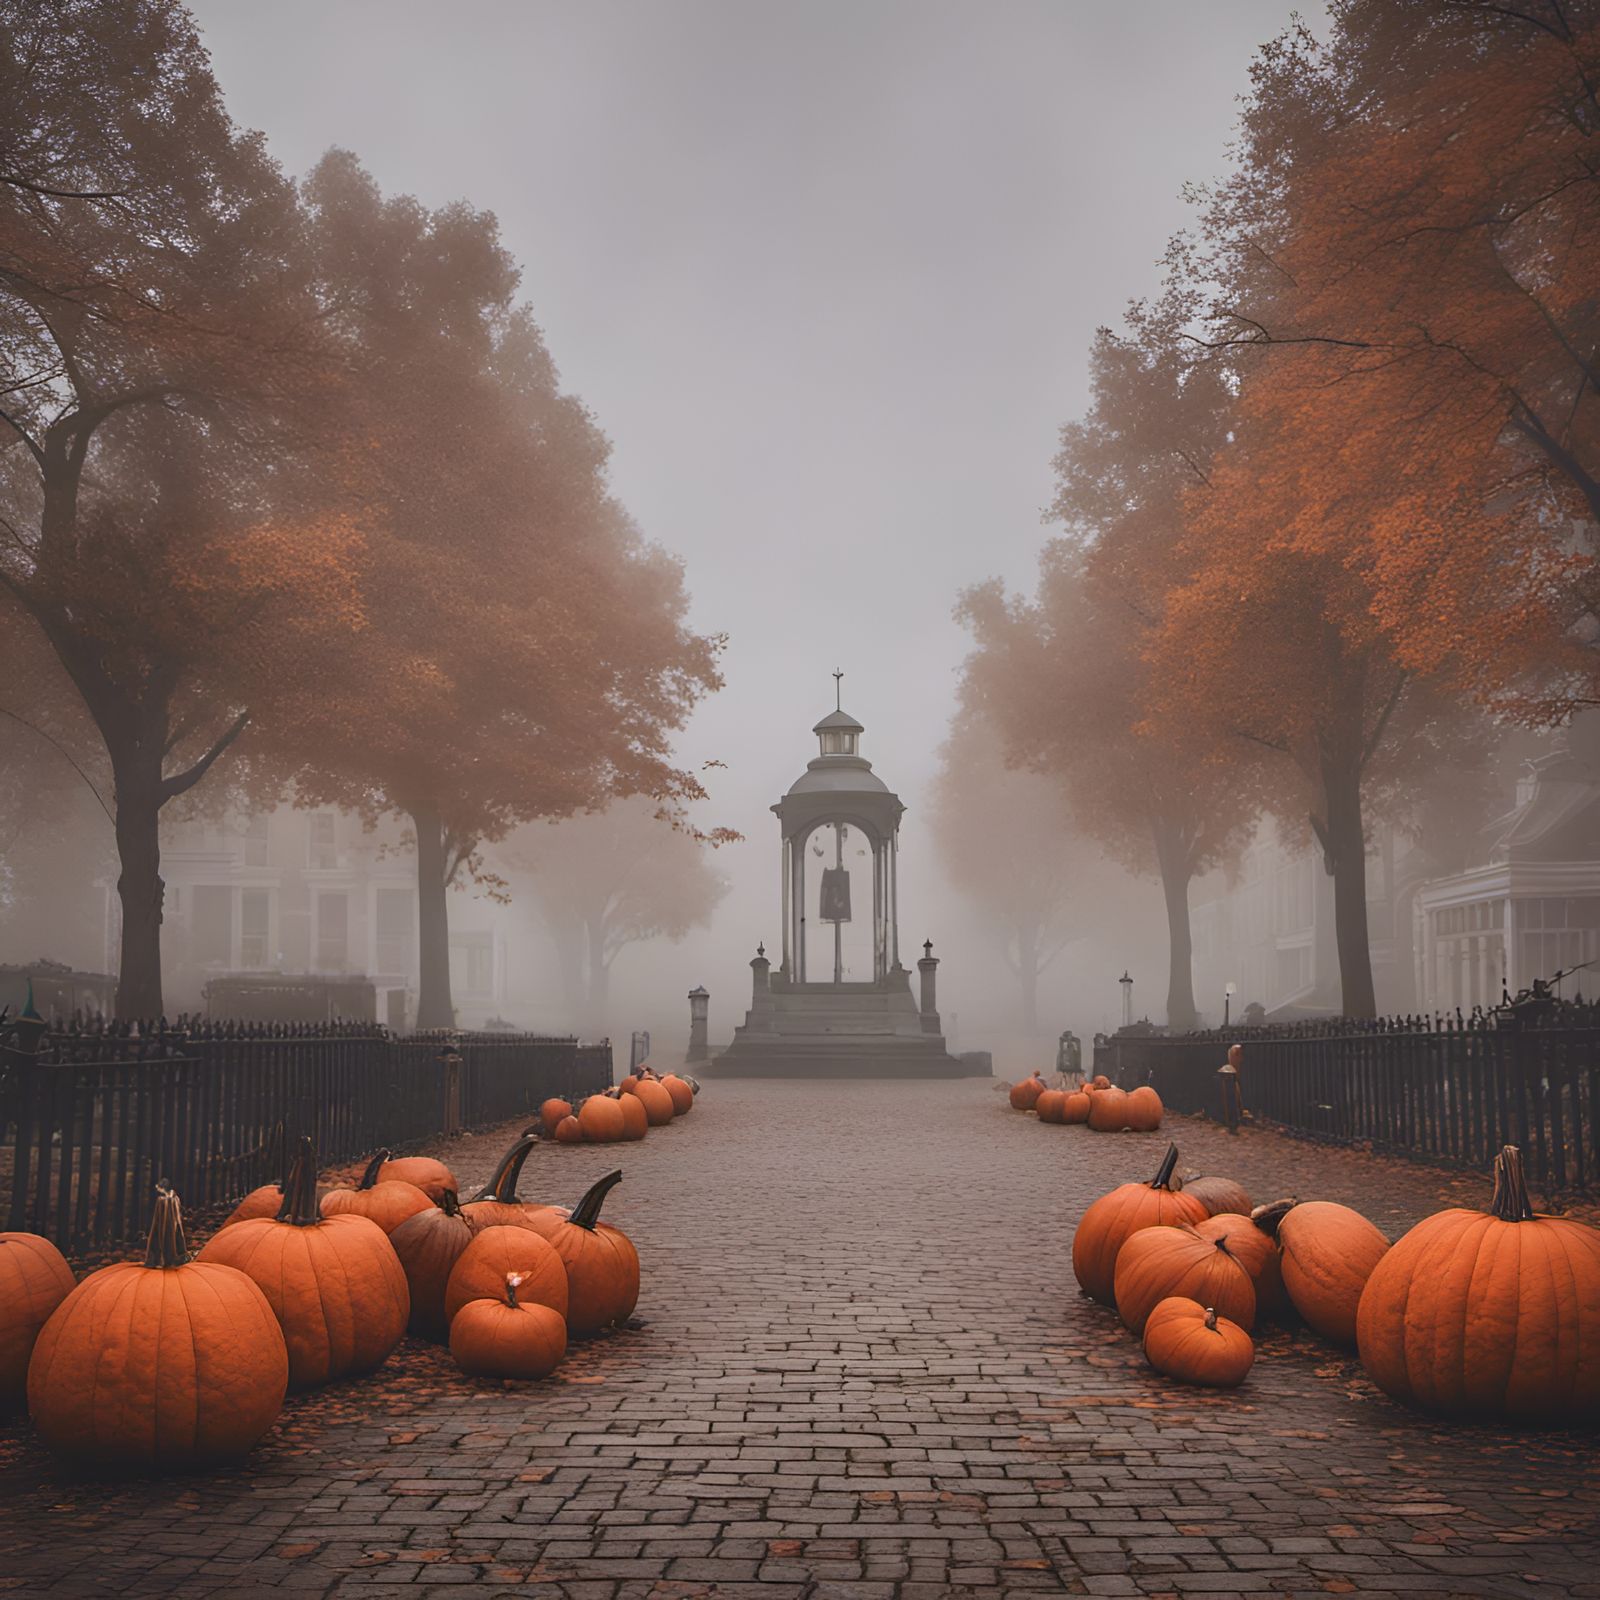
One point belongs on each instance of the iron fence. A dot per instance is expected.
(1437, 1089)
(92, 1117)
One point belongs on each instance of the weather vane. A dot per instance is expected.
(838, 691)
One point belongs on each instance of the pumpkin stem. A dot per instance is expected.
(1163, 1178)
(167, 1246)
(512, 1280)
(1267, 1217)
(370, 1176)
(300, 1188)
(502, 1185)
(1211, 1318)
(1510, 1202)
(448, 1203)
(587, 1211)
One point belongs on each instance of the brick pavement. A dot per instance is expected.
(865, 1373)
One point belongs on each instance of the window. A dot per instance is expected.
(472, 965)
(395, 922)
(211, 925)
(333, 932)
(836, 742)
(324, 840)
(257, 841)
(255, 915)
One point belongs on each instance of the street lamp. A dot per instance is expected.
(1229, 990)
(1127, 998)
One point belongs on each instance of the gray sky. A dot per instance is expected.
(826, 272)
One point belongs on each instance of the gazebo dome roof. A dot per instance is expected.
(839, 775)
(838, 722)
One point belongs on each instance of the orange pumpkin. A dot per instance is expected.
(1327, 1253)
(635, 1119)
(569, 1131)
(497, 1204)
(430, 1176)
(1255, 1251)
(428, 1245)
(480, 1270)
(1051, 1106)
(1025, 1095)
(1108, 1110)
(388, 1201)
(1144, 1109)
(334, 1283)
(34, 1280)
(1490, 1315)
(601, 1120)
(1219, 1195)
(629, 1084)
(602, 1264)
(508, 1336)
(1157, 1263)
(1190, 1342)
(1116, 1216)
(657, 1102)
(1075, 1108)
(160, 1365)
(265, 1201)
(551, 1115)
(1100, 1081)
(682, 1094)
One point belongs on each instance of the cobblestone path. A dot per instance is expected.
(865, 1373)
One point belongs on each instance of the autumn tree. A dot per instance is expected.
(610, 879)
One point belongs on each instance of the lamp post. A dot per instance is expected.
(1127, 998)
(1229, 990)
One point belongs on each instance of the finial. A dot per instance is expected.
(761, 950)
(927, 949)
(838, 689)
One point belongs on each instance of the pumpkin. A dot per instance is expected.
(657, 1102)
(1492, 1315)
(1144, 1109)
(34, 1280)
(388, 1201)
(265, 1201)
(508, 1336)
(570, 1131)
(1075, 1108)
(635, 1119)
(159, 1365)
(1190, 1342)
(1157, 1263)
(602, 1264)
(1327, 1253)
(551, 1115)
(496, 1204)
(1100, 1081)
(428, 1246)
(334, 1283)
(1219, 1195)
(628, 1084)
(1255, 1251)
(1051, 1106)
(1108, 1110)
(1025, 1095)
(430, 1176)
(601, 1120)
(1118, 1215)
(481, 1269)
(682, 1094)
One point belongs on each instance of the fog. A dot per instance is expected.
(827, 275)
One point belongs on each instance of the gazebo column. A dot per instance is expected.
(879, 908)
(797, 856)
(783, 875)
(894, 898)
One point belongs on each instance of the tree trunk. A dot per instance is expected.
(599, 979)
(140, 889)
(1028, 973)
(1172, 854)
(435, 1007)
(1344, 854)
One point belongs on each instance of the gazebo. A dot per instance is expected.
(840, 1003)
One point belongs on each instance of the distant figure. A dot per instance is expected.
(1232, 1095)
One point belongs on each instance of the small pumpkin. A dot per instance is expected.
(508, 1336)
(1051, 1106)
(682, 1094)
(1108, 1110)
(602, 1264)
(1075, 1108)
(1025, 1095)
(1256, 1252)
(34, 1280)
(629, 1084)
(481, 1269)
(1489, 1315)
(1190, 1342)
(657, 1102)
(1144, 1109)
(1116, 1216)
(428, 1245)
(635, 1119)
(601, 1120)
(1219, 1195)
(1157, 1263)
(334, 1283)
(1100, 1081)
(387, 1201)
(569, 1131)
(1327, 1253)
(430, 1176)
(265, 1201)
(551, 1114)
(166, 1364)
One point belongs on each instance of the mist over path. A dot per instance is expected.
(866, 1371)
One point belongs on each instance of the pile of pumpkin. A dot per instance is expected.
(178, 1363)
(1489, 1315)
(628, 1111)
(1099, 1103)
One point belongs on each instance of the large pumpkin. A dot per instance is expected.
(658, 1106)
(1219, 1195)
(480, 1270)
(428, 1245)
(497, 1202)
(1051, 1106)
(682, 1094)
(1156, 1263)
(1327, 1253)
(1116, 1216)
(551, 1114)
(432, 1177)
(1025, 1095)
(1108, 1110)
(34, 1280)
(635, 1120)
(1489, 1315)
(386, 1201)
(1255, 1251)
(601, 1120)
(508, 1336)
(162, 1365)
(602, 1264)
(1075, 1108)
(334, 1283)
(1144, 1109)
(1190, 1342)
